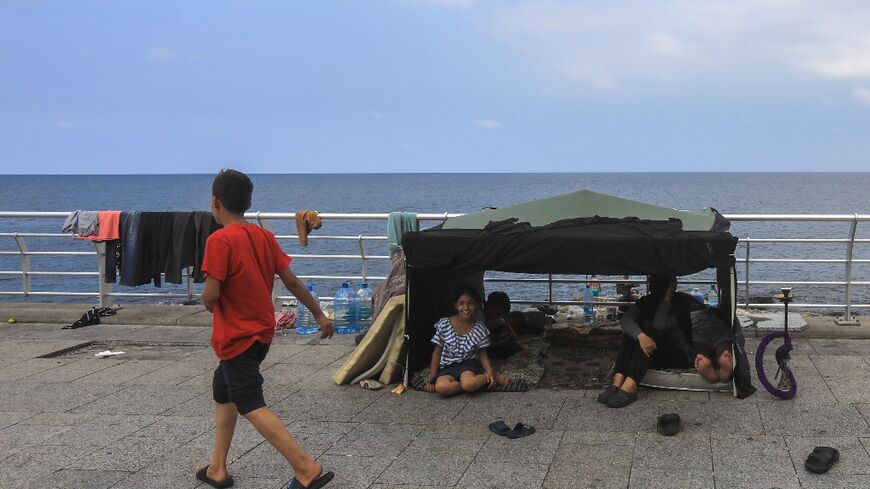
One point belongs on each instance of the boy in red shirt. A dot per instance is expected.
(240, 264)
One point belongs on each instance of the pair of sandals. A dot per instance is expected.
(518, 431)
(322, 480)
(92, 317)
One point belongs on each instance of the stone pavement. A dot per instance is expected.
(144, 419)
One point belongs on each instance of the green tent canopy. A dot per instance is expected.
(583, 203)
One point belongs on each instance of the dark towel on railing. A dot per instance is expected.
(205, 225)
(183, 251)
(130, 261)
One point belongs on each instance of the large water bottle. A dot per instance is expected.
(345, 322)
(588, 309)
(364, 307)
(305, 323)
(595, 286)
(712, 297)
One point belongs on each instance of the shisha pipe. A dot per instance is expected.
(782, 353)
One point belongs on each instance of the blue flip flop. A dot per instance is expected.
(317, 483)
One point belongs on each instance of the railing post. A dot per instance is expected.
(848, 319)
(550, 287)
(365, 261)
(190, 285)
(25, 265)
(105, 287)
(746, 280)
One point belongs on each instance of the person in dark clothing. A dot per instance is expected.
(712, 344)
(658, 332)
(504, 340)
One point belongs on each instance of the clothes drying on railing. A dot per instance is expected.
(93, 225)
(152, 243)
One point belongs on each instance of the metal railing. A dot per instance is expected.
(105, 294)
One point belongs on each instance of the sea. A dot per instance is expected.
(729, 193)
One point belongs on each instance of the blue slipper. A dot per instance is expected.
(315, 484)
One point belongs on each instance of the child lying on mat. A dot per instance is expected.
(460, 362)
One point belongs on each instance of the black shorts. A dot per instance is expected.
(238, 379)
(456, 370)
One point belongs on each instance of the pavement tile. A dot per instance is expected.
(673, 395)
(590, 415)
(123, 372)
(842, 366)
(755, 480)
(833, 480)
(589, 466)
(9, 418)
(655, 478)
(139, 399)
(84, 479)
(201, 405)
(530, 408)
(147, 480)
(836, 347)
(354, 472)
(486, 473)
(850, 390)
(735, 453)
(100, 432)
(711, 416)
(174, 373)
(412, 407)
(783, 418)
(33, 366)
(319, 354)
(684, 451)
(539, 448)
(326, 405)
(612, 438)
(53, 397)
(287, 374)
(74, 370)
(373, 440)
(442, 467)
(321, 380)
(265, 461)
(33, 348)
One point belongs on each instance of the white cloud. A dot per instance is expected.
(664, 43)
(608, 46)
(488, 124)
(862, 94)
(161, 54)
(64, 125)
(444, 3)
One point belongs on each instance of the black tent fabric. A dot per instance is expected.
(440, 258)
(584, 245)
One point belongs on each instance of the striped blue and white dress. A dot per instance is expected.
(458, 348)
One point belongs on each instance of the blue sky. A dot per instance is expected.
(434, 86)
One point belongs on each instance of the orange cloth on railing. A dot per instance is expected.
(109, 227)
(305, 222)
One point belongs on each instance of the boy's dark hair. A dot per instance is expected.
(233, 189)
(500, 301)
(466, 289)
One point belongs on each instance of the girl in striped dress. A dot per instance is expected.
(459, 361)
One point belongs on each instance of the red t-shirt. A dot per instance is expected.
(245, 258)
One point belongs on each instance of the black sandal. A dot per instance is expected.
(822, 459)
(202, 475)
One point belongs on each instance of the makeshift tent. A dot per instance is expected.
(579, 233)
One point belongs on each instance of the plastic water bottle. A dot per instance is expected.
(305, 323)
(713, 297)
(698, 296)
(588, 310)
(364, 307)
(345, 322)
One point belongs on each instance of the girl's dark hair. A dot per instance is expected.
(499, 300)
(233, 189)
(466, 289)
